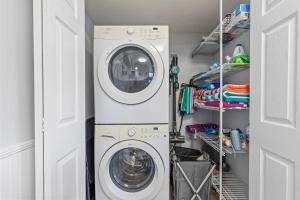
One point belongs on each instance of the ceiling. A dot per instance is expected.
(180, 15)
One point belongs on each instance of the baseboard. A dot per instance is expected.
(17, 148)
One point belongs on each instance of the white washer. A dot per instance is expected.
(132, 162)
(131, 74)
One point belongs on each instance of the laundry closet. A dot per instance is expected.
(232, 131)
(200, 84)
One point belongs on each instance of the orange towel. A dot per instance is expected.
(237, 88)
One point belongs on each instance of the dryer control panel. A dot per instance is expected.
(138, 132)
(131, 32)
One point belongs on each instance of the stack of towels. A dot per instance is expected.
(233, 95)
(186, 99)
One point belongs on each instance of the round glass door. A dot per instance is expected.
(132, 169)
(131, 72)
(131, 69)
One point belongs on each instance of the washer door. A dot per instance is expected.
(131, 170)
(131, 73)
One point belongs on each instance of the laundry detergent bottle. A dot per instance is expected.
(239, 56)
(238, 50)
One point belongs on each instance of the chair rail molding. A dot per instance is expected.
(17, 148)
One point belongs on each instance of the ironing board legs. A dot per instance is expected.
(196, 192)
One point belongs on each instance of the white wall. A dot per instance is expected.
(183, 44)
(89, 77)
(16, 100)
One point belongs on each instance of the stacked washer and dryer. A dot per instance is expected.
(131, 67)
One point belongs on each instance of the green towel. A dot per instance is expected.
(235, 94)
(229, 97)
(185, 105)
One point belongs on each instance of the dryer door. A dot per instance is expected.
(131, 73)
(131, 170)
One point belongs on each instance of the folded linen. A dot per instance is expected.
(236, 94)
(212, 97)
(209, 86)
(237, 88)
(236, 99)
(187, 101)
(226, 104)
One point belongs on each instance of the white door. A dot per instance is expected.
(275, 90)
(62, 31)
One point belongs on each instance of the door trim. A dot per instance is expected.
(38, 98)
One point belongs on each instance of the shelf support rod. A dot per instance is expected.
(221, 100)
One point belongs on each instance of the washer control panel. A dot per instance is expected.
(138, 132)
(129, 32)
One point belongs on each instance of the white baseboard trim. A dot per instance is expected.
(17, 148)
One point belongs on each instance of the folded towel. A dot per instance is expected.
(226, 104)
(235, 99)
(234, 94)
(187, 105)
(212, 97)
(237, 88)
(209, 86)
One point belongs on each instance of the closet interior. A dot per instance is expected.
(219, 98)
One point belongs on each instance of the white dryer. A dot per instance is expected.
(131, 74)
(132, 162)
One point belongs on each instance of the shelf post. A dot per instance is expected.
(221, 100)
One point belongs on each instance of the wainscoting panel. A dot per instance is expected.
(17, 172)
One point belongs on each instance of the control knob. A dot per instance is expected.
(130, 30)
(131, 132)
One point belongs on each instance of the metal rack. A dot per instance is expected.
(233, 188)
(214, 142)
(228, 69)
(208, 46)
(226, 184)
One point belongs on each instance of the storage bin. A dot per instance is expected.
(196, 171)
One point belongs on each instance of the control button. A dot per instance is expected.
(131, 132)
(130, 30)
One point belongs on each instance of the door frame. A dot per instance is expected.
(38, 98)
